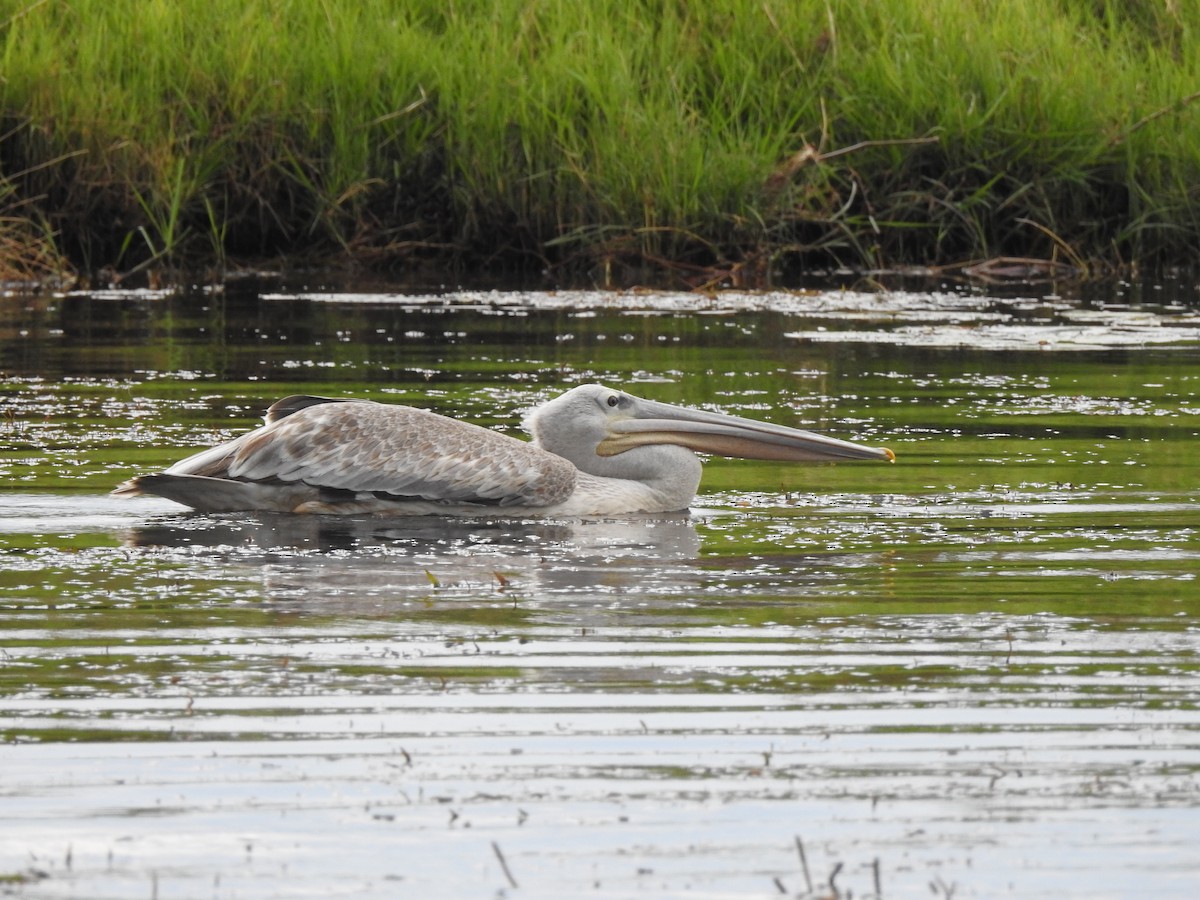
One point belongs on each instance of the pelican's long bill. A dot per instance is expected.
(709, 432)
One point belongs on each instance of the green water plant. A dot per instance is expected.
(721, 138)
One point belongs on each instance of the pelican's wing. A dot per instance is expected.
(361, 446)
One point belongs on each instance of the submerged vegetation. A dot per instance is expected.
(723, 139)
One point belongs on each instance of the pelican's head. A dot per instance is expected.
(614, 434)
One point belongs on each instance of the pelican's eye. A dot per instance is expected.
(614, 400)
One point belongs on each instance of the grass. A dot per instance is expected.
(725, 138)
(28, 250)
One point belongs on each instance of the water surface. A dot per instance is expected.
(972, 673)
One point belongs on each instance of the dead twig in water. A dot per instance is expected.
(837, 870)
(1007, 269)
(804, 863)
(504, 865)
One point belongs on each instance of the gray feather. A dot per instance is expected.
(367, 447)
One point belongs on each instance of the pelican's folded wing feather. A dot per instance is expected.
(400, 451)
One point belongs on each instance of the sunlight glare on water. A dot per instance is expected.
(972, 673)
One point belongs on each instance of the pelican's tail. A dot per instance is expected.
(218, 494)
(130, 488)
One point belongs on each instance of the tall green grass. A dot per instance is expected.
(729, 134)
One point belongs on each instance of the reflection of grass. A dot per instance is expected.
(18, 878)
(87, 734)
(716, 133)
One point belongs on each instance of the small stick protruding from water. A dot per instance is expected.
(504, 865)
(878, 886)
(837, 870)
(937, 885)
(804, 863)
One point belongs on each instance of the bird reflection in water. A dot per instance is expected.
(358, 562)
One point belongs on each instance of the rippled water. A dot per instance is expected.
(973, 673)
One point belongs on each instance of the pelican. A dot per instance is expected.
(595, 452)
